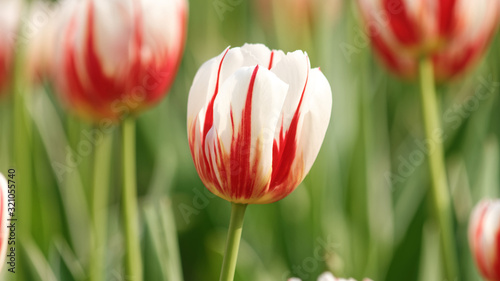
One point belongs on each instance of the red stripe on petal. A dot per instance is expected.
(271, 60)
(101, 87)
(243, 178)
(209, 115)
(446, 14)
(403, 27)
(285, 151)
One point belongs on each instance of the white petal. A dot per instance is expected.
(202, 89)
(235, 59)
(293, 70)
(315, 116)
(260, 52)
(164, 26)
(112, 34)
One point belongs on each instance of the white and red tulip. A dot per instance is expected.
(454, 33)
(4, 231)
(256, 122)
(10, 14)
(327, 276)
(118, 57)
(484, 238)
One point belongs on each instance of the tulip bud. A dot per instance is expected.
(455, 34)
(10, 14)
(256, 121)
(118, 57)
(327, 276)
(484, 238)
(4, 231)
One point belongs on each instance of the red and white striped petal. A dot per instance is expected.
(240, 143)
(293, 69)
(484, 238)
(314, 117)
(4, 231)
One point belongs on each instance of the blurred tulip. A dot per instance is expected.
(4, 231)
(327, 276)
(484, 238)
(256, 121)
(115, 58)
(454, 33)
(10, 14)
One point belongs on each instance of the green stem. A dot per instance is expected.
(233, 242)
(102, 163)
(440, 192)
(133, 262)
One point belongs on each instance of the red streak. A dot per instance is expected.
(209, 116)
(271, 60)
(240, 148)
(401, 24)
(285, 151)
(445, 17)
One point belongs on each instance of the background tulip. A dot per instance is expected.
(484, 238)
(116, 58)
(256, 121)
(4, 231)
(454, 33)
(10, 13)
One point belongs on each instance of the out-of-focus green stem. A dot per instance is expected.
(102, 157)
(133, 261)
(439, 183)
(233, 242)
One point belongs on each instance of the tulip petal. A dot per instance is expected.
(292, 69)
(202, 89)
(240, 143)
(315, 117)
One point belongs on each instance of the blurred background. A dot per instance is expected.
(363, 211)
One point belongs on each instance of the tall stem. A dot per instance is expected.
(233, 242)
(133, 262)
(439, 187)
(102, 163)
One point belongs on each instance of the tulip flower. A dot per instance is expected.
(434, 40)
(4, 231)
(10, 13)
(116, 58)
(454, 34)
(256, 121)
(113, 59)
(327, 276)
(484, 238)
